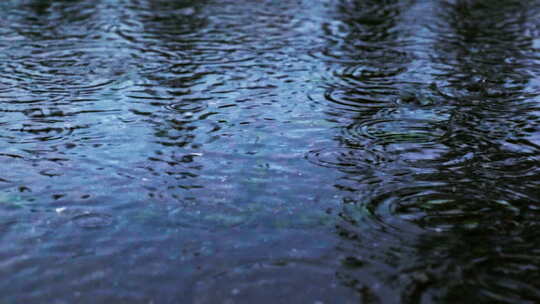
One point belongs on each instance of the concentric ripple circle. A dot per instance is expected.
(391, 131)
(359, 54)
(363, 73)
(347, 159)
(434, 209)
(358, 99)
(43, 132)
(191, 105)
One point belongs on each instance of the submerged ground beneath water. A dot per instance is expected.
(258, 151)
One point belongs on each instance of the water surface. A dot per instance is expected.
(219, 151)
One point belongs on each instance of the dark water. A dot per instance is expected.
(259, 151)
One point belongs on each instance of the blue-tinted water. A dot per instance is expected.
(258, 151)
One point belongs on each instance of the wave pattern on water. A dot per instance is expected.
(220, 150)
(450, 99)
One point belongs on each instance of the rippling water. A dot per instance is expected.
(220, 151)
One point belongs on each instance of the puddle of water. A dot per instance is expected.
(270, 151)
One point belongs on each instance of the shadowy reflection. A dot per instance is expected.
(371, 21)
(46, 19)
(165, 99)
(84, 71)
(365, 45)
(45, 64)
(488, 61)
(435, 179)
(487, 71)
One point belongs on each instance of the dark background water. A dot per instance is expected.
(258, 151)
